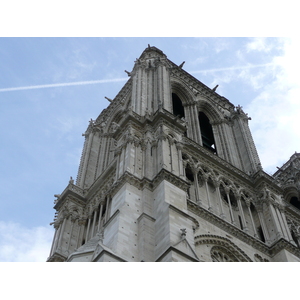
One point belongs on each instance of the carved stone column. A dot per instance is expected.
(286, 225)
(55, 239)
(171, 143)
(87, 153)
(248, 203)
(154, 155)
(145, 154)
(81, 224)
(245, 228)
(61, 234)
(135, 160)
(107, 206)
(230, 208)
(259, 209)
(179, 147)
(198, 200)
(118, 154)
(207, 192)
(73, 220)
(100, 216)
(189, 119)
(275, 220)
(94, 223)
(222, 215)
(283, 229)
(88, 229)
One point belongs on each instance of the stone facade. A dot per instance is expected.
(169, 172)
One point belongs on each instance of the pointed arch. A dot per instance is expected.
(210, 111)
(256, 221)
(207, 135)
(178, 109)
(183, 92)
(223, 245)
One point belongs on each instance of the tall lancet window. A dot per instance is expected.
(178, 109)
(207, 133)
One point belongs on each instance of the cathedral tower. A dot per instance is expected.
(169, 172)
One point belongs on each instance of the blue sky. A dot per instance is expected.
(51, 87)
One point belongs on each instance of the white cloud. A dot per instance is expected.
(21, 244)
(259, 44)
(221, 44)
(276, 110)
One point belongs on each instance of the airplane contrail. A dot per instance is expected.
(31, 87)
(233, 68)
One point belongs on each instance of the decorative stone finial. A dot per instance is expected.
(183, 232)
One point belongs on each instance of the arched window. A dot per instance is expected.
(295, 201)
(257, 223)
(178, 109)
(189, 173)
(233, 200)
(207, 132)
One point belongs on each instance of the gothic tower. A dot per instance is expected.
(169, 172)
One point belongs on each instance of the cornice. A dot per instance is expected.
(170, 177)
(241, 235)
(104, 179)
(198, 87)
(186, 215)
(143, 123)
(71, 191)
(227, 227)
(57, 257)
(132, 180)
(147, 183)
(255, 182)
(262, 179)
(215, 162)
(117, 101)
(282, 244)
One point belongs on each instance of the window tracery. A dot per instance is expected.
(220, 254)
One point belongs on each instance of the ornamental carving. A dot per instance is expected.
(258, 258)
(222, 248)
(221, 254)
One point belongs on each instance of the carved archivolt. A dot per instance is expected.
(222, 247)
(221, 254)
(258, 258)
(183, 92)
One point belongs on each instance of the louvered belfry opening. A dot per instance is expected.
(207, 132)
(178, 109)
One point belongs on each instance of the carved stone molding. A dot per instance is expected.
(226, 244)
(227, 227)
